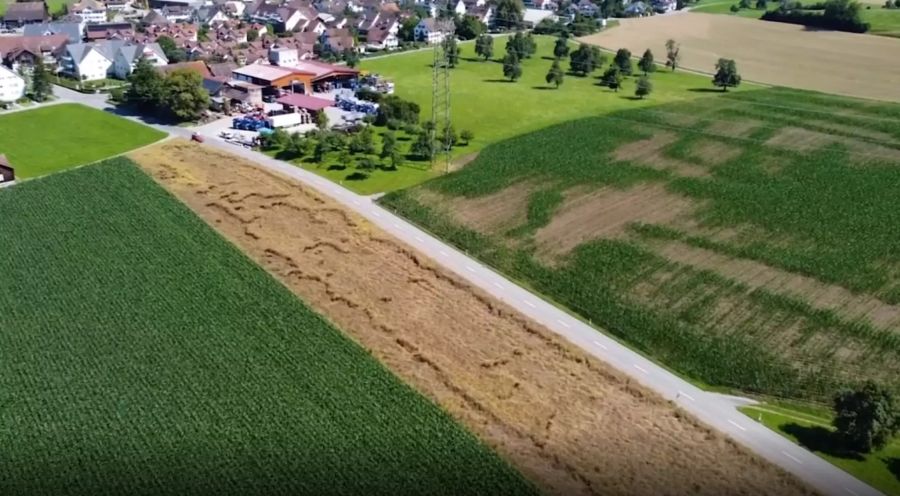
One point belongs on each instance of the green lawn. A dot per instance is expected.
(141, 353)
(827, 212)
(495, 109)
(880, 469)
(885, 22)
(57, 137)
(724, 7)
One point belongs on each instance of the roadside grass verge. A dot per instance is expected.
(881, 469)
(141, 353)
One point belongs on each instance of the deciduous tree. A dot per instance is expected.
(622, 60)
(484, 46)
(146, 89)
(867, 418)
(41, 88)
(555, 76)
(643, 87)
(512, 69)
(388, 144)
(561, 48)
(451, 49)
(612, 78)
(726, 74)
(646, 64)
(466, 136)
(673, 55)
(184, 95)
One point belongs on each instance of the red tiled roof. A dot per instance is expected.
(305, 101)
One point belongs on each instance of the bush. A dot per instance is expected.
(369, 95)
(395, 108)
(734, 8)
(816, 20)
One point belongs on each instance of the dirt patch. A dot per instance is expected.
(649, 152)
(715, 152)
(462, 161)
(494, 213)
(734, 128)
(758, 275)
(804, 140)
(568, 422)
(769, 52)
(606, 213)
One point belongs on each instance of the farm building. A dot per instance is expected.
(301, 76)
(297, 101)
(22, 13)
(7, 173)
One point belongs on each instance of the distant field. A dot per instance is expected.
(748, 241)
(143, 354)
(885, 22)
(57, 137)
(770, 52)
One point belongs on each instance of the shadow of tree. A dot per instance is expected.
(893, 465)
(497, 81)
(705, 90)
(820, 439)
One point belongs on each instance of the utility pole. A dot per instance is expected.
(440, 98)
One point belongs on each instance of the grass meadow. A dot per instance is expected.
(143, 354)
(746, 241)
(57, 137)
(495, 109)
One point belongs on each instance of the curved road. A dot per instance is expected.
(716, 410)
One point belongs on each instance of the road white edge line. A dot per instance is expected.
(498, 285)
(739, 426)
(444, 253)
(530, 304)
(563, 323)
(851, 491)
(603, 347)
(642, 369)
(682, 393)
(792, 457)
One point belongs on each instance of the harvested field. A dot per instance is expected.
(501, 375)
(492, 213)
(649, 152)
(607, 213)
(804, 140)
(768, 52)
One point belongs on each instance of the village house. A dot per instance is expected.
(381, 39)
(92, 11)
(112, 58)
(431, 30)
(109, 31)
(12, 86)
(19, 14)
(22, 51)
(73, 31)
(7, 173)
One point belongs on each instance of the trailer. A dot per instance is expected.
(285, 120)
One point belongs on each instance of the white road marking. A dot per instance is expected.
(563, 323)
(420, 239)
(792, 457)
(851, 491)
(682, 393)
(739, 426)
(598, 343)
(397, 225)
(642, 369)
(444, 253)
(376, 214)
(470, 268)
(357, 203)
(498, 285)
(530, 304)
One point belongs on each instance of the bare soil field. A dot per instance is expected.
(568, 422)
(768, 52)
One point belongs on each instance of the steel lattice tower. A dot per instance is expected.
(440, 105)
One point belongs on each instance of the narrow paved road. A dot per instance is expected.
(718, 411)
